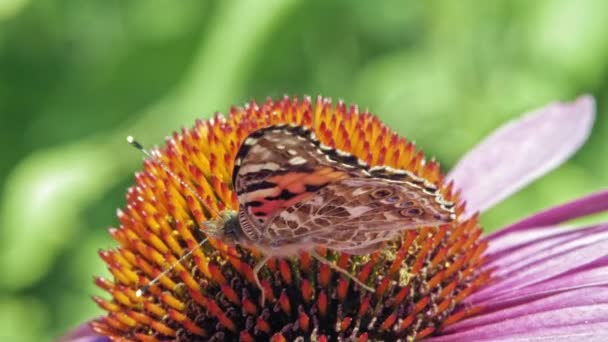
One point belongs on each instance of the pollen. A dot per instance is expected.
(420, 279)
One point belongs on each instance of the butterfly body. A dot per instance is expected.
(296, 194)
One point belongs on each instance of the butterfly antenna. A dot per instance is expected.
(340, 269)
(145, 288)
(150, 155)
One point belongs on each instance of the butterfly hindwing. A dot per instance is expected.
(354, 213)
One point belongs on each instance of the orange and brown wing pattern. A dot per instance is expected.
(293, 190)
(277, 167)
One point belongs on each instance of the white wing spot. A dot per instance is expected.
(328, 158)
(377, 168)
(359, 191)
(292, 152)
(281, 147)
(325, 147)
(342, 153)
(249, 168)
(297, 161)
(251, 141)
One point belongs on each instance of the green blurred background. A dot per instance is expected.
(77, 76)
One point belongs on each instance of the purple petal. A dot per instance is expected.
(83, 333)
(589, 275)
(588, 205)
(505, 243)
(543, 326)
(503, 247)
(549, 283)
(521, 151)
(543, 260)
(584, 297)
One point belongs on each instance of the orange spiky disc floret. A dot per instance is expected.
(419, 280)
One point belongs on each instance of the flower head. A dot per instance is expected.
(419, 279)
(446, 282)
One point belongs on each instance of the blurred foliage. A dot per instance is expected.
(77, 76)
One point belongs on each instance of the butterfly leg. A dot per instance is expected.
(340, 269)
(142, 290)
(256, 270)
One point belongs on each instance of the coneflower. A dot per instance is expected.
(446, 283)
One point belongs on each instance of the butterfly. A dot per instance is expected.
(296, 194)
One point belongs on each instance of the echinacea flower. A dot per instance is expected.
(535, 278)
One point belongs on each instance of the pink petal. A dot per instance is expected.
(543, 260)
(588, 205)
(521, 151)
(537, 327)
(549, 283)
(520, 244)
(505, 243)
(589, 275)
(588, 296)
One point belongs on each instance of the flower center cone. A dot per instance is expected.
(420, 279)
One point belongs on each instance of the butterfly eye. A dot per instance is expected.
(381, 193)
(411, 212)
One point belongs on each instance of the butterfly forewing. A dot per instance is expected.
(277, 167)
(293, 190)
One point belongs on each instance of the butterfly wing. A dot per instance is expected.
(355, 213)
(277, 167)
(294, 190)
